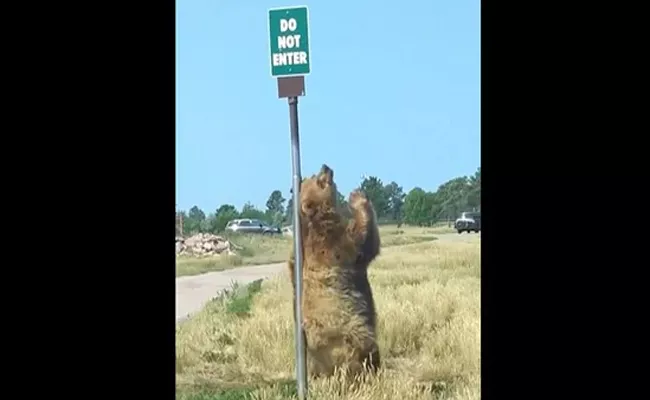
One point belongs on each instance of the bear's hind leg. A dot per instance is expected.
(317, 366)
(372, 361)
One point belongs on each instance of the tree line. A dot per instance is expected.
(417, 207)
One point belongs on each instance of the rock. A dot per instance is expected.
(222, 246)
(191, 241)
(204, 244)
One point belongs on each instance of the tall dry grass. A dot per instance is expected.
(428, 303)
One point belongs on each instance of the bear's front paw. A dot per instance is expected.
(357, 200)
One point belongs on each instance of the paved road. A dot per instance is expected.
(193, 292)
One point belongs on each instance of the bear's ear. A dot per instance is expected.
(326, 176)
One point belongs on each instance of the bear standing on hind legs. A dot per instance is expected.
(338, 309)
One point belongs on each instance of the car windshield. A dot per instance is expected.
(472, 215)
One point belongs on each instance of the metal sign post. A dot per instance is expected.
(301, 365)
(290, 62)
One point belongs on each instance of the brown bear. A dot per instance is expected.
(338, 309)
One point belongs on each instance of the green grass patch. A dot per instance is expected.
(236, 301)
(196, 266)
(241, 298)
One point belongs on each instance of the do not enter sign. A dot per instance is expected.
(289, 41)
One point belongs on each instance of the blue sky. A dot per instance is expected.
(394, 92)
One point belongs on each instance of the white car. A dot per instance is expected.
(251, 226)
(468, 221)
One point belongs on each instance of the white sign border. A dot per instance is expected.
(268, 30)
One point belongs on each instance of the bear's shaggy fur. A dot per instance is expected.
(338, 309)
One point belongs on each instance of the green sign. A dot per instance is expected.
(289, 41)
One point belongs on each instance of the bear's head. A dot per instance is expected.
(318, 193)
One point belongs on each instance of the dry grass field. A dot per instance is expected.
(258, 249)
(427, 294)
